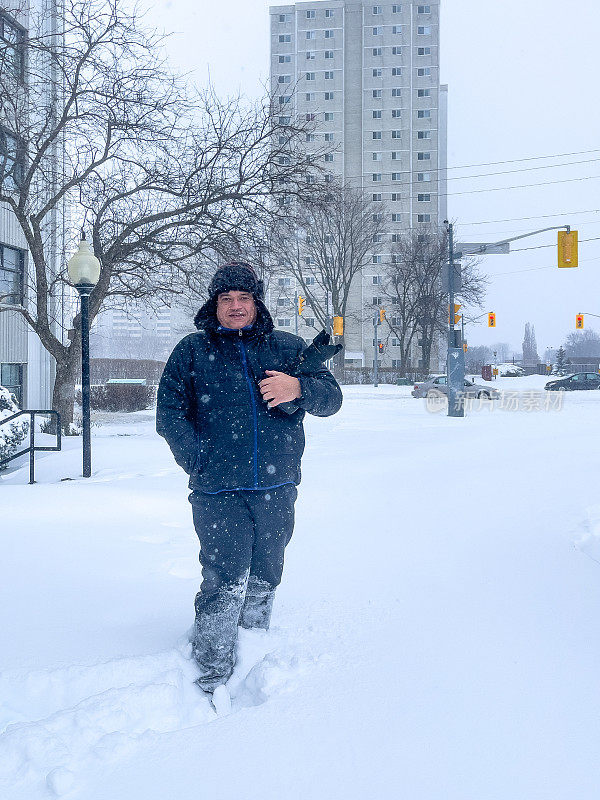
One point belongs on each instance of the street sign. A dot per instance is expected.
(483, 248)
(567, 249)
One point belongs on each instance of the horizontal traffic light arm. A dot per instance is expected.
(485, 245)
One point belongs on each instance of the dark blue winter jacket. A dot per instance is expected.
(211, 412)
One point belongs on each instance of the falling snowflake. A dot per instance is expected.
(205, 398)
(271, 469)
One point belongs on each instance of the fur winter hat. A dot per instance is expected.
(236, 276)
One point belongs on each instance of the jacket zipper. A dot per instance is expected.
(253, 407)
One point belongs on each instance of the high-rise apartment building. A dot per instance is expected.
(368, 75)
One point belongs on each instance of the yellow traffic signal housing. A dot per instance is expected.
(465, 346)
(338, 326)
(491, 320)
(381, 314)
(567, 249)
(301, 302)
(454, 319)
(579, 322)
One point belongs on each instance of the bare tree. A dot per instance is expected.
(415, 290)
(582, 343)
(325, 245)
(165, 180)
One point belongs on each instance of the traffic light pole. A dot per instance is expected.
(455, 368)
(296, 310)
(375, 359)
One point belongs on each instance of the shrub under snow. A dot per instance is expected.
(11, 433)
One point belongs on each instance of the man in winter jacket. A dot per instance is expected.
(218, 409)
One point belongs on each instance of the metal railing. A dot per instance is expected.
(33, 448)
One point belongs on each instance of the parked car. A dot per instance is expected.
(438, 385)
(579, 380)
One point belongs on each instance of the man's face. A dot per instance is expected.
(236, 309)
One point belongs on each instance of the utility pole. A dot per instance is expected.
(296, 310)
(375, 358)
(455, 369)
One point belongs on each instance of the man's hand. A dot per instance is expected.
(279, 388)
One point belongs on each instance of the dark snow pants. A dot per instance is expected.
(243, 535)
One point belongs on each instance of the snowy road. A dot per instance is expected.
(436, 635)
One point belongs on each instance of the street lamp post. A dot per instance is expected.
(84, 271)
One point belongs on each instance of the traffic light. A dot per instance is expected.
(380, 347)
(454, 319)
(338, 326)
(301, 302)
(465, 346)
(567, 249)
(381, 314)
(491, 319)
(579, 322)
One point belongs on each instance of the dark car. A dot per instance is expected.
(580, 380)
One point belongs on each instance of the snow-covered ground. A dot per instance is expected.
(436, 635)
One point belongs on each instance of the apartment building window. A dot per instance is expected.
(377, 31)
(310, 96)
(396, 9)
(423, 51)
(395, 155)
(376, 259)
(377, 156)
(397, 29)
(396, 92)
(377, 134)
(329, 95)
(423, 134)
(311, 35)
(284, 323)
(284, 38)
(328, 53)
(423, 92)
(328, 157)
(329, 13)
(311, 117)
(377, 301)
(377, 93)
(376, 197)
(423, 30)
(310, 76)
(396, 51)
(396, 237)
(423, 177)
(423, 156)
(329, 34)
(283, 120)
(285, 18)
(377, 51)
(423, 113)
(283, 99)
(423, 198)
(396, 71)
(285, 59)
(396, 176)
(423, 9)
(283, 139)
(310, 137)
(377, 280)
(283, 160)
(378, 217)
(310, 281)
(11, 377)
(329, 137)
(423, 72)
(376, 177)
(377, 73)
(396, 112)
(12, 161)
(396, 197)
(328, 116)
(396, 134)
(283, 301)
(284, 282)
(329, 75)
(284, 79)
(328, 178)
(310, 15)
(12, 275)
(377, 10)
(423, 217)
(396, 217)
(377, 114)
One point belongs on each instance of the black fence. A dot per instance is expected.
(33, 448)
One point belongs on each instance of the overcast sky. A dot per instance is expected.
(523, 83)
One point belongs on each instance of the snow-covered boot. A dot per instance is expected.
(215, 633)
(258, 604)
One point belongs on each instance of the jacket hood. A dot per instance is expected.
(206, 318)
